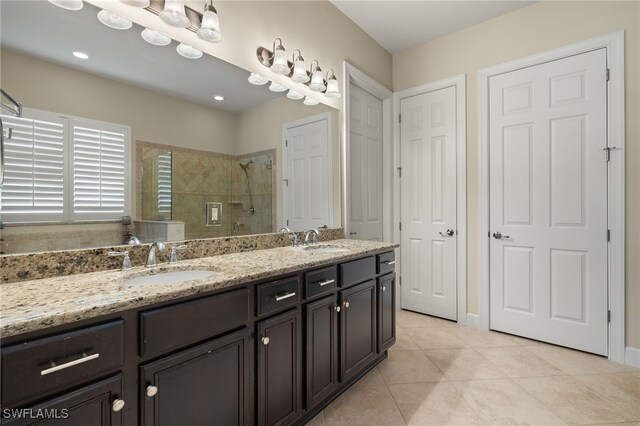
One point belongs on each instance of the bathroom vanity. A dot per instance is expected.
(271, 338)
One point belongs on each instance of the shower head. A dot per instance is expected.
(245, 166)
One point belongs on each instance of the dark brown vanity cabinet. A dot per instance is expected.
(279, 342)
(206, 385)
(386, 312)
(321, 349)
(358, 328)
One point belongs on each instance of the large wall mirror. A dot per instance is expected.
(188, 146)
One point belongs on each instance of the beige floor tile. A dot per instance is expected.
(409, 367)
(518, 362)
(464, 364)
(504, 402)
(433, 404)
(408, 319)
(318, 420)
(436, 338)
(372, 378)
(484, 339)
(621, 388)
(572, 401)
(576, 362)
(403, 342)
(366, 405)
(620, 424)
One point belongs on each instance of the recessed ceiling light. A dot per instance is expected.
(114, 21)
(218, 98)
(80, 55)
(188, 52)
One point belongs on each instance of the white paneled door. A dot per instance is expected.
(365, 165)
(307, 176)
(548, 202)
(428, 202)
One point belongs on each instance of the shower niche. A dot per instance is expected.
(213, 194)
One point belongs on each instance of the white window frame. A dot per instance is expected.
(68, 215)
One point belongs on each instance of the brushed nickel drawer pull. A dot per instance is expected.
(390, 262)
(323, 283)
(81, 360)
(285, 296)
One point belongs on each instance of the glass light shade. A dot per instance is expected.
(154, 37)
(332, 89)
(299, 71)
(137, 3)
(210, 27)
(114, 21)
(257, 79)
(280, 65)
(292, 94)
(188, 52)
(275, 87)
(317, 81)
(174, 14)
(310, 101)
(68, 4)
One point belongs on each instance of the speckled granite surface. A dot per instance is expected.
(37, 304)
(26, 267)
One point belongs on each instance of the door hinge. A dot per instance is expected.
(608, 234)
(400, 226)
(400, 118)
(399, 171)
(287, 222)
(400, 281)
(609, 315)
(607, 151)
(286, 143)
(608, 74)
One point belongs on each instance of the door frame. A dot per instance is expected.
(459, 82)
(353, 75)
(285, 157)
(614, 43)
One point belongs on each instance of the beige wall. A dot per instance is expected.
(542, 26)
(260, 128)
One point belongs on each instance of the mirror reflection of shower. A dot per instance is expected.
(245, 167)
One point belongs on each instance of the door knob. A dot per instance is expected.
(265, 341)
(499, 236)
(449, 232)
(337, 308)
(117, 405)
(346, 304)
(152, 391)
(353, 233)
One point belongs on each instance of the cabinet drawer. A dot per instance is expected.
(320, 281)
(64, 359)
(386, 262)
(189, 322)
(278, 295)
(357, 271)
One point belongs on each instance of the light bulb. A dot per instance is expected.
(174, 14)
(188, 52)
(310, 101)
(292, 94)
(210, 27)
(280, 65)
(275, 87)
(332, 88)
(257, 79)
(154, 37)
(299, 71)
(68, 4)
(114, 21)
(317, 81)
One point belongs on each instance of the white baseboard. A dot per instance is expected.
(632, 356)
(473, 321)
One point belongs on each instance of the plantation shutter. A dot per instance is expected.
(99, 170)
(164, 184)
(33, 189)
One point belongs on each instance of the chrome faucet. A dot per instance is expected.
(151, 258)
(174, 253)
(292, 235)
(313, 233)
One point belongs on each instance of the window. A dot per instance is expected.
(65, 169)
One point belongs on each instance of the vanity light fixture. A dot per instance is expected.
(174, 14)
(219, 98)
(80, 55)
(257, 79)
(68, 4)
(332, 86)
(292, 94)
(280, 64)
(210, 26)
(137, 3)
(317, 81)
(188, 52)
(154, 37)
(114, 21)
(299, 69)
(310, 101)
(275, 87)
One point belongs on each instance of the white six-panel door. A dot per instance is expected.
(548, 202)
(365, 165)
(428, 202)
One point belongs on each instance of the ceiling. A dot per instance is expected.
(398, 25)
(40, 29)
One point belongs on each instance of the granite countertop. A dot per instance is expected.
(37, 304)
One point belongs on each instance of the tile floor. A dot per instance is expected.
(440, 373)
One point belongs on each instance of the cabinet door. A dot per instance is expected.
(322, 348)
(205, 385)
(358, 328)
(386, 312)
(91, 405)
(279, 369)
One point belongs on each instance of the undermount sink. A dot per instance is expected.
(169, 277)
(325, 248)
